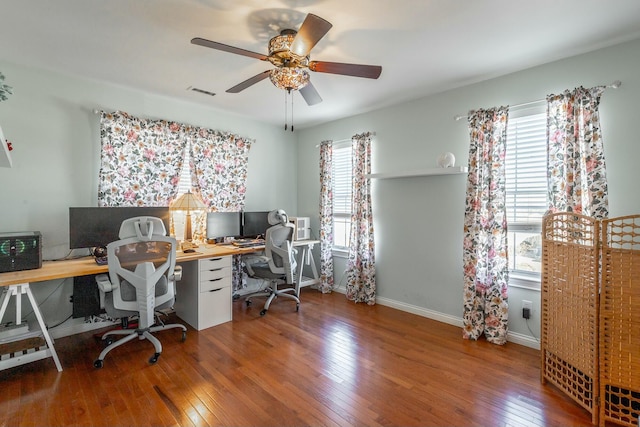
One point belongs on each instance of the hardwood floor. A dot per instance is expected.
(334, 363)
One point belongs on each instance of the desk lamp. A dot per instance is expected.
(188, 202)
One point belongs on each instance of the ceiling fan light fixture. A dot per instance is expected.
(289, 78)
(281, 42)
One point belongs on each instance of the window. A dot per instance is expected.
(526, 198)
(342, 178)
(184, 186)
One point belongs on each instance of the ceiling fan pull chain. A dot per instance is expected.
(285, 110)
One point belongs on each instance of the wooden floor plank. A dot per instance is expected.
(333, 363)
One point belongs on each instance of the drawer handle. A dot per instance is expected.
(215, 280)
(215, 290)
(215, 269)
(215, 259)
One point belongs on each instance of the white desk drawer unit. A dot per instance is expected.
(203, 297)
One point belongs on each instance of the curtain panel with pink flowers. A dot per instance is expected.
(361, 269)
(577, 179)
(486, 273)
(140, 160)
(326, 217)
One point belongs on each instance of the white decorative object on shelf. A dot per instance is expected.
(5, 155)
(422, 172)
(446, 160)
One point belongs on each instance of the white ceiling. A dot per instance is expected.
(423, 46)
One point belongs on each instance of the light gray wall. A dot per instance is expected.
(55, 134)
(418, 221)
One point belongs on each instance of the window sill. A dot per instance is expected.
(524, 282)
(340, 253)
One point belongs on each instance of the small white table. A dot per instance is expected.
(32, 355)
(306, 258)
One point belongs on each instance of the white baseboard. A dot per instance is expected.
(522, 339)
(513, 337)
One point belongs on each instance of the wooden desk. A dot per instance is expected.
(84, 266)
(17, 284)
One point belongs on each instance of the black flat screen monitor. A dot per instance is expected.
(223, 224)
(255, 224)
(91, 227)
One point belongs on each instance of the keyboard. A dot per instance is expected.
(248, 243)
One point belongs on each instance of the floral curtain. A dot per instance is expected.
(219, 166)
(361, 271)
(140, 160)
(576, 168)
(326, 217)
(485, 263)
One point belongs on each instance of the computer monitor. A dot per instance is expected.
(91, 227)
(255, 223)
(223, 224)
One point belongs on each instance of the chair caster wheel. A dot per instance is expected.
(184, 336)
(263, 312)
(98, 363)
(108, 341)
(297, 308)
(248, 302)
(154, 358)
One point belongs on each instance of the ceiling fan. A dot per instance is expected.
(289, 52)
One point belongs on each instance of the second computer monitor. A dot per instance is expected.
(255, 224)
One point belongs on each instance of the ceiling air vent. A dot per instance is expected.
(206, 92)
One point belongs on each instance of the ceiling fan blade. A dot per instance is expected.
(311, 31)
(226, 48)
(356, 70)
(310, 94)
(249, 82)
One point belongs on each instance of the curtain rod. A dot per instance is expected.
(614, 85)
(346, 139)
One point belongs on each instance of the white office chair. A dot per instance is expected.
(278, 264)
(141, 280)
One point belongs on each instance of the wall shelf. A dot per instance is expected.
(423, 172)
(5, 156)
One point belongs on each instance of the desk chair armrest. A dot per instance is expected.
(287, 252)
(104, 284)
(177, 273)
(254, 259)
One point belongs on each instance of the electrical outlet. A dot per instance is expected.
(527, 309)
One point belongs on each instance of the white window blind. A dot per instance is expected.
(526, 169)
(184, 185)
(526, 196)
(342, 178)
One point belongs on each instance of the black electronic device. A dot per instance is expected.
(86, 297)
(20, 251)
(221, 225)
(255, 224)
(91, 227)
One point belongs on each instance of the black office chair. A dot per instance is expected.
(142, 279)
(278, 263)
